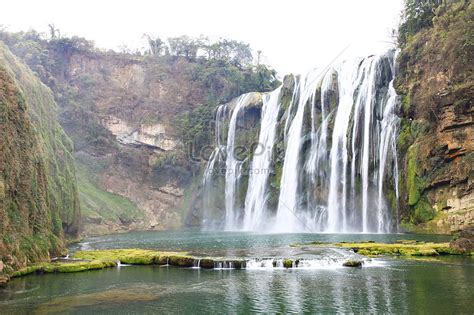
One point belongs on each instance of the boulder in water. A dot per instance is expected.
(288, 263)
(3, 280)
(352, 263)
(465, 242)
(206, 263)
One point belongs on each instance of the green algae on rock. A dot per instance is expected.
(138, 257)
(400, 248)
(64, 267)
(287, 263)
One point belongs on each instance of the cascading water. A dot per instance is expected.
(338, 132)
(259, 172)
(288, 204)
(233, 171)
(216, 156)
(354, 85)
(317, 165)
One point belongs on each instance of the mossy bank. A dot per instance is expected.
(39, 202)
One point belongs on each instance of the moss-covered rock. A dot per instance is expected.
(287, 263)
(405, 248)
(127, 256)
(64, 267)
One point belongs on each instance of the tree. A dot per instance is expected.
(156, 45)
(54, 32)
(417, 15)
(183, 46)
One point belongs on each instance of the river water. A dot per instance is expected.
(434, 285)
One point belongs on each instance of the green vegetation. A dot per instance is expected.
(151, 257)
(401, 248)
(413, 176)
(418, 14)
(39, 194)
(64, 267)
(126, 256)
(287, 263)
(55, 146)
(96, 203)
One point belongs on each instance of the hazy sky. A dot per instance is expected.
(294, 35)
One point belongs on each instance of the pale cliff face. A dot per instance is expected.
(154, 136)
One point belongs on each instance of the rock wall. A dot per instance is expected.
(437, 135)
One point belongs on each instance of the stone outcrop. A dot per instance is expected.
(465, 242)
(153, 136)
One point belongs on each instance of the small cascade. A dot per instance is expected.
(332, 260)
(267, 263)
(305, 263)
(259, 172)
(196, 264)
(222, 265)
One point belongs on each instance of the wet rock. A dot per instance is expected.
(288, 263)
(181, 261)
(465, 242)
(3, 280)
(237, 264)
(207, 263)
(352, 263)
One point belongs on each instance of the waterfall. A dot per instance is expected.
(316, 166)
(356, 81)
(209, 172)
(287, 212)
(388, 141)
(337, 131)
(260, 169)
(233, 171)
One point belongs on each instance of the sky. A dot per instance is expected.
(293, 35)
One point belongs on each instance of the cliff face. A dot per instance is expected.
(437, 136)
(38, 194)
(134, 112)
(132, 119)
